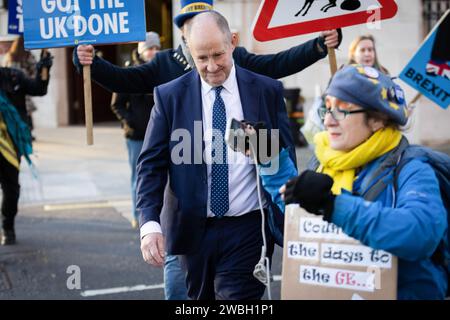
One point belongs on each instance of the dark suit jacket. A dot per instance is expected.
(178, 104)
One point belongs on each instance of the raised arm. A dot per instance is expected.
(291, 61)
(139, 79)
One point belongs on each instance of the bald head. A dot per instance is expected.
(211, 45)
(208, 22)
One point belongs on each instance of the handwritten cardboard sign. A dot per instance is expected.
(321, 262)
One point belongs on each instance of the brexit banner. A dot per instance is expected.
(64, 23)
(429, 70)
(15, 17)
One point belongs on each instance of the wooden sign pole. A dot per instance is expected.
(88, 104)
(415, 99)
(332, 59)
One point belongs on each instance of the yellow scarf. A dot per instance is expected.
(341, 166)
(6, 145)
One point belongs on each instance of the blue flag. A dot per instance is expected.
(429, 70)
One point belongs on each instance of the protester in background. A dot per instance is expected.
(362, 51)
(133, 110)
(173, 63)
(19, 58)
(15, 139)
(366, 180)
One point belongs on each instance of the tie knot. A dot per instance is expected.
(218, 90)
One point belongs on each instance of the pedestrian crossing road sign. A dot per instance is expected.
(286, 18)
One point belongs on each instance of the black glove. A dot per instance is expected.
(10, 79)
(45, 62)
(312, 191)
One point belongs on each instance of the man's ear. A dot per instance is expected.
(234, 40)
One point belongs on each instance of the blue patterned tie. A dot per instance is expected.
(219, 171)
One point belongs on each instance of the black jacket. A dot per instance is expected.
(17, 85)
(133, 110)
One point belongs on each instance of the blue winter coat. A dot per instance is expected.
(411, 231)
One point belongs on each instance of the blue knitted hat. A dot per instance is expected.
(370, 89)
(190, 8)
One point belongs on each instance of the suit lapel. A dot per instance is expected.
(249, 93)
(193, 103)
(194, 115)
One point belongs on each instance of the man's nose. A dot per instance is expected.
(212, 66)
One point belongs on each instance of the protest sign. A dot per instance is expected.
(321, 262)
(63, 23)
(429, 70)
(15, 17)
(286, 18)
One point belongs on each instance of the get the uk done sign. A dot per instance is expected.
(64, 23)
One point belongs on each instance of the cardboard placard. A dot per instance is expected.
(320, 262)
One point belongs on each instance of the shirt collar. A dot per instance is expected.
(229, 85)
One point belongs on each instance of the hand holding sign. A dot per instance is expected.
(44, 64)
(62, 23)
(332, 39)
(85, 54)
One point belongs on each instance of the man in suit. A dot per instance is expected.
(172, 63)
(216, 228)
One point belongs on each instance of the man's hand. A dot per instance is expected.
(85, 54)
(332, 39)
(152, 248)
(45, 62)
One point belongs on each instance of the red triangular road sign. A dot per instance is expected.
(286, 18)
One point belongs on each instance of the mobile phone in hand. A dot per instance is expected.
(237, 138)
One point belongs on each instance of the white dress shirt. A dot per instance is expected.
(243, 196)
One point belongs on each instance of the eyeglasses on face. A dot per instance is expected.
(337, 113)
